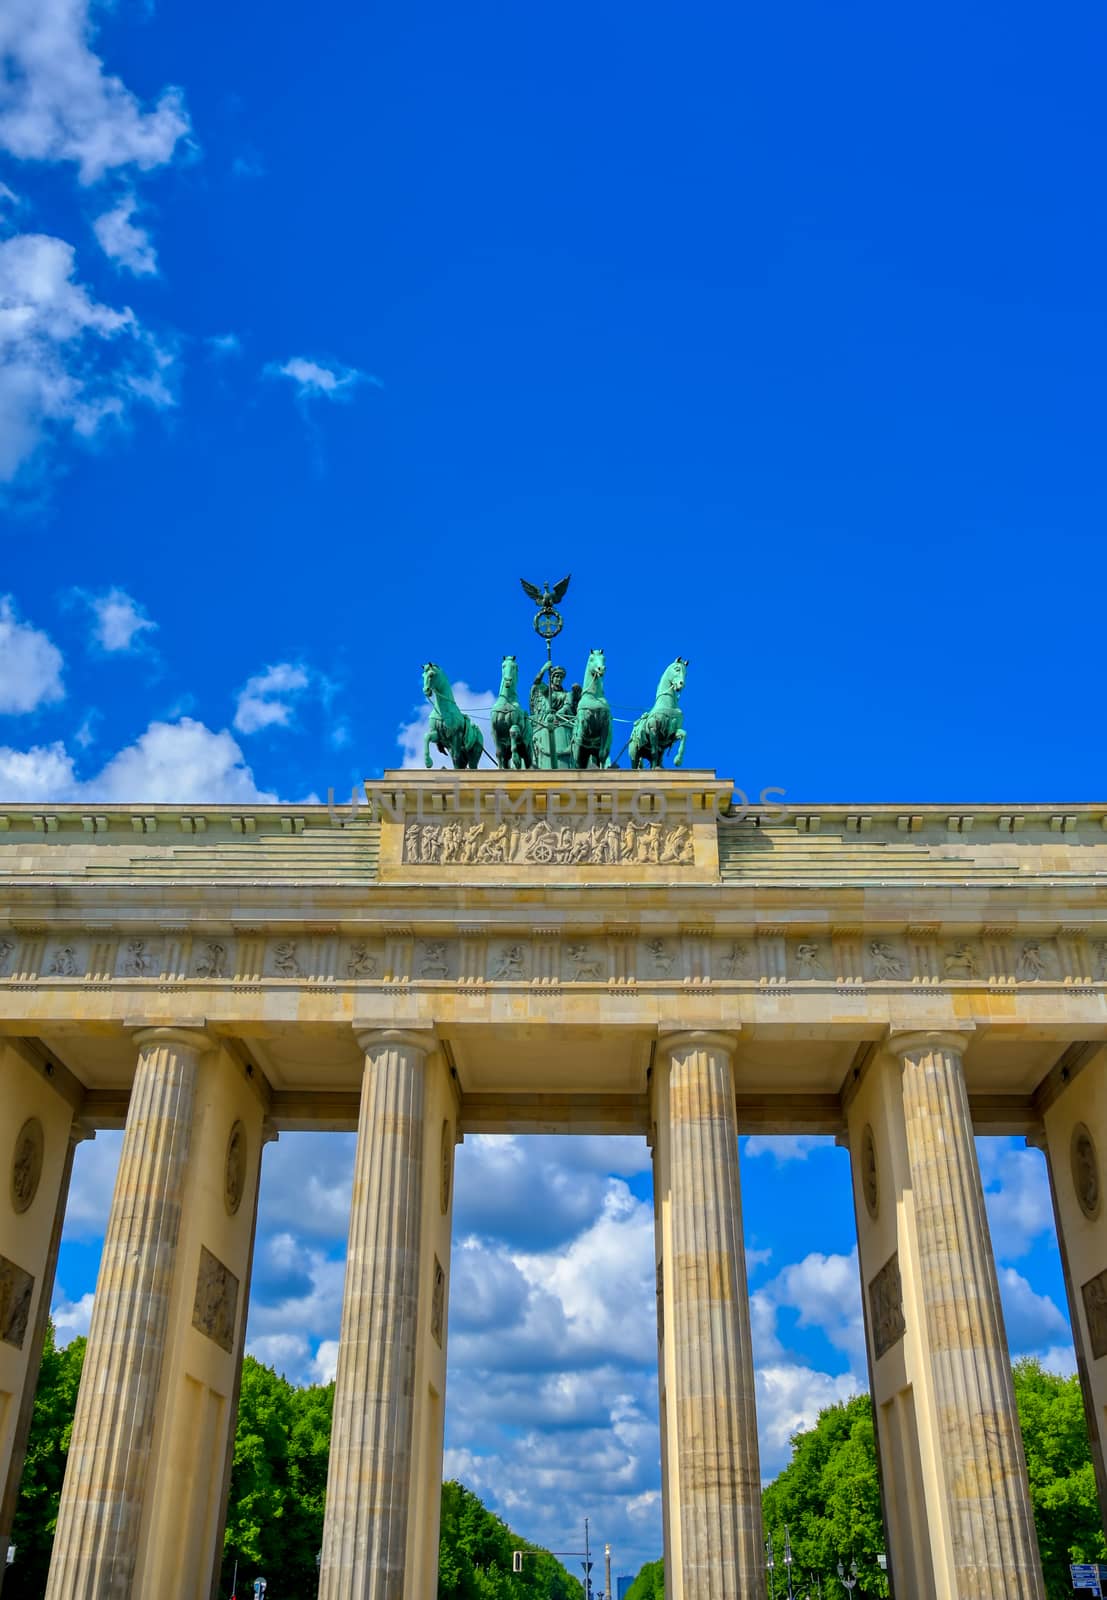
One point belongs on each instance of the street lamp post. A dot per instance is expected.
(788, 1561)
(770, 1566)
(848, 1580)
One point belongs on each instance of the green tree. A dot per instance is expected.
(1062, 1479)
(828, 1497)
(649, 1584)
(36, 1514)
(475, 1556)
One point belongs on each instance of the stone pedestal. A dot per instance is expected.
(1075, 1145)
(380, 1539)
(36, 1160)
(711, 1478)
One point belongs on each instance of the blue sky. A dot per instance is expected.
(781, 328)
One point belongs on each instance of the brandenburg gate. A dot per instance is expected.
(600, 951)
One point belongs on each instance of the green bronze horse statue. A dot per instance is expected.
(511, 727)
(591, 744)
(448, 727)
(662, 726)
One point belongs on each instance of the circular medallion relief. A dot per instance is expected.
(27, 1164)
(234, 1173)
(1085, 1171)
(447, 1168)
(870, 1181)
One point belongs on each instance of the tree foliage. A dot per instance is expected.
(278, 1489)
(649, 1584)
(36, 1514)
(1062, 1479)
(475, 1557)
(828, 1496)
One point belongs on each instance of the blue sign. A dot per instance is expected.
(1089, 1575)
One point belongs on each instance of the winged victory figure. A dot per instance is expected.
(546, 597)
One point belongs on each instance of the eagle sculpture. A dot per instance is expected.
(546, 597)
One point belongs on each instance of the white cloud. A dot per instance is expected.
(1016, 1195)
(324, 1363)
(58, 104)
(224, 344)
(315, 381)
(95, 1163)
(118, 620)
(30, 665)
(67, 362)
(262, 703)
(790, 1397)
(180, 762)
(71, 1317)
(45, 772)
(825, 1293)
(1032, 1319)
(124, 241)
(786, 1146)
(476, 703)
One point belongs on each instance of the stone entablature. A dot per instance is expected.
(574, 953)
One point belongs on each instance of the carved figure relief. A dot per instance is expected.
(234, 1171)
(446, 1169)
(960, 962)
(138, 963)
(1085, 1171)
(30, 1143)
(870, 1178)
(585, 964)
(1031, 963)
(886, 1307)
(433, 962)
(1094, 1295)
(661, 956)
(17, 1290)
(886, 963)
(213, 1310)
(438, 1303)
(578, 841)
(212, 960)
(512, 962)
(285, 962)
(6, 948)
(808, 964)
(361, 963)
(736, 961)
(63, 964)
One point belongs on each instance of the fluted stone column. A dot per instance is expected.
(372, 1436)
(96, 1542)
(714, 1479)
(995, 1553)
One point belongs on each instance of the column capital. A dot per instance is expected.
(413, 1037)
(187, 1036)
(670, 1040)
(904, 1041)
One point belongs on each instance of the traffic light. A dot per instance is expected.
(516, 1561)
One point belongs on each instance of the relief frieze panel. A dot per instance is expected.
(570, 841)
(216, 1302)
(17, 1289)
(848, 960)
(886, 1307)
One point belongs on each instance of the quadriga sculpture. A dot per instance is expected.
(662, 726)
(455, 734)
(511, 727)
